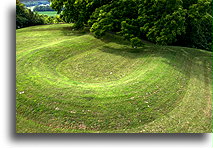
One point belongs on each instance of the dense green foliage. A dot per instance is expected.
(161, 21)
(68, 81)
(165, 22)
(77, 11)
(199, 25)
(25, 17)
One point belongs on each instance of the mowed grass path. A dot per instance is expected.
(69, 81)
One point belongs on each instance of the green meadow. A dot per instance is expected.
(49, 13)
(68, 81)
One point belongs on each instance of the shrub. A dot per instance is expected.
(136, 42)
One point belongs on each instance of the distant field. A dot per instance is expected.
(71, 82)
(49, 13)
(30, 3)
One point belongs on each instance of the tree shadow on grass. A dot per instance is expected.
(112, 37)
(66, 30)
(126, 49)
(182, 59)
(128, 52)
(191, 63)
(70, 31)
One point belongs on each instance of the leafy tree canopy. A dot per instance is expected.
(182, 22)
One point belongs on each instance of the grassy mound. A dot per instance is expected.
(69, 81)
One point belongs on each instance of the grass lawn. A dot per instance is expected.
(49, 13)
(68, 81)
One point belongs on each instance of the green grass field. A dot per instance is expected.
(49, 13)
(68, 81)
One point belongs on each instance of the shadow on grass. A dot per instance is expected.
(70, 31)
(181, 58)
(128, 52)
(186, 56)
(66, 30)
(192, 63)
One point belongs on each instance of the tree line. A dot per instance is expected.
(25, 17)
(30, 3)
(164, 22)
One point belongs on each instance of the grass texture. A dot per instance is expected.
(49, 13)
(68, 81)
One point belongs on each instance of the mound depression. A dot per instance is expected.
(69, 81)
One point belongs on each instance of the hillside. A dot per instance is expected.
(70, 81)
(30, 3)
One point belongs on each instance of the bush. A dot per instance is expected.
(136, 42)
(165, 22)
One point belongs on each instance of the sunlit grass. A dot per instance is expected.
(49, 13)
(69, 81)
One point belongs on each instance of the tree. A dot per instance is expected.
(161, 21)
(77, 11)
(165, 22)
(199, 25)
(114, 17)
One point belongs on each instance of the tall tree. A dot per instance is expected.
(184, 22)
(77, 11)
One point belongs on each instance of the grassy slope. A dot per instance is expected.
(49, 13)
(69, 81)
